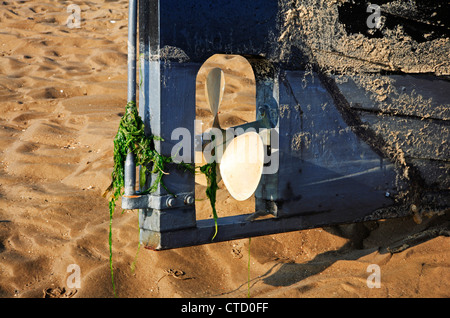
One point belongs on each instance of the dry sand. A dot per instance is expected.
(62, 94)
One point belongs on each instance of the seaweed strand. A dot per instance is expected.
(131, 137)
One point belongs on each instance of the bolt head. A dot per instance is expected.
(189, 199)
(170, 202)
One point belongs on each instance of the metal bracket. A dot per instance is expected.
(149, 201)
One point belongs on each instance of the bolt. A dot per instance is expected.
(170, 202)
(189, 199)
(262, 111)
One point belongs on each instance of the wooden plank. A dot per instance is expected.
(421, 96)
(415, 138)
(324, 165)
(410, 114)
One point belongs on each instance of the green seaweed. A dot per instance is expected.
(210, 171)
(131, 137)
(248, 268)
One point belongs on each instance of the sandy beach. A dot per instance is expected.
(62, 93)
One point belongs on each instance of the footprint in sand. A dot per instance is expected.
(59, 292)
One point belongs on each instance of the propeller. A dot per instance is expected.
(241, 164)
(215, 87)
